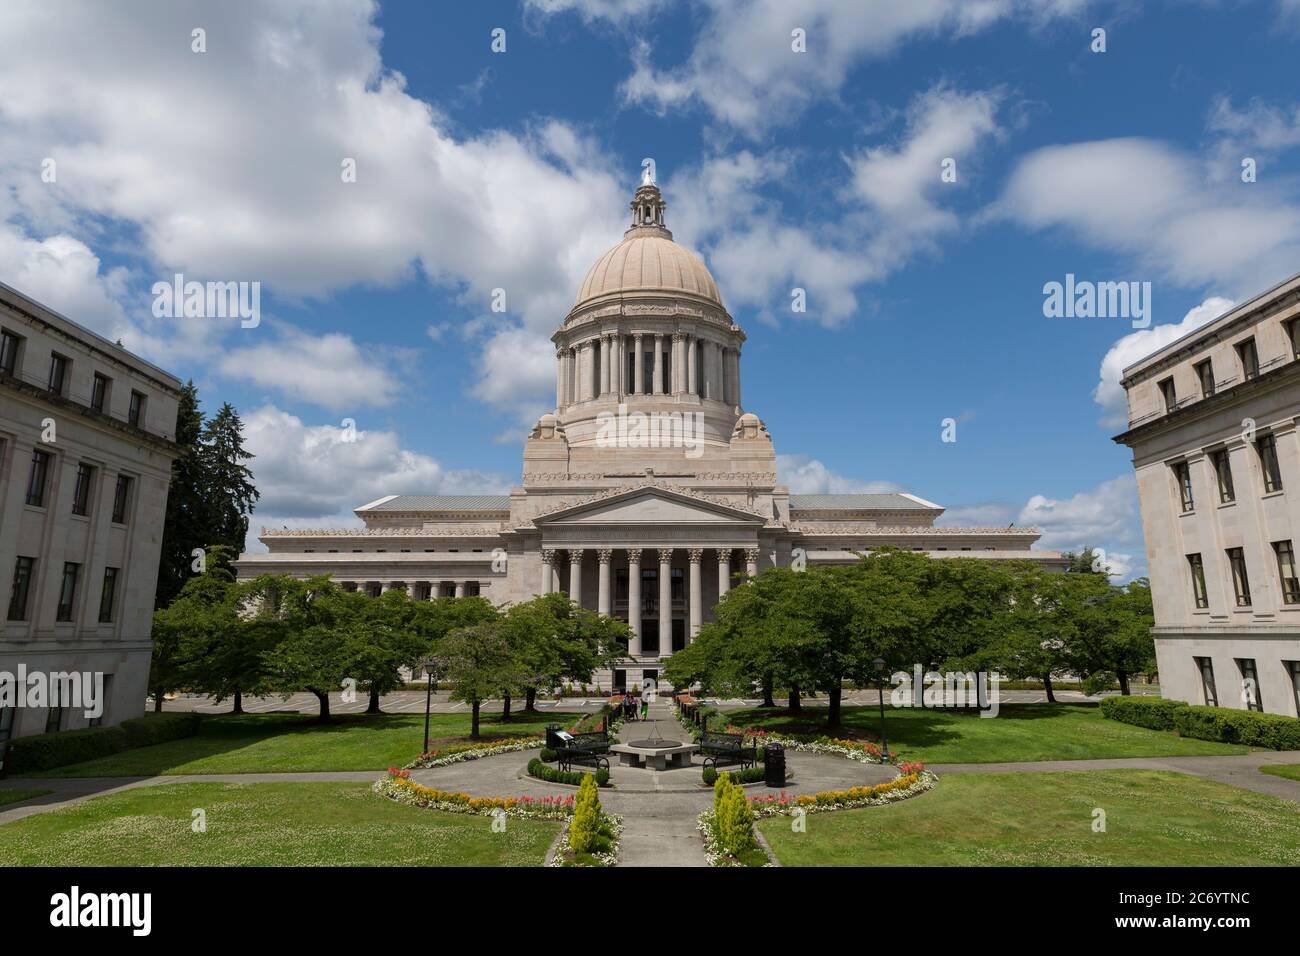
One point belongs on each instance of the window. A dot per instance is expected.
(1249, 684)
(1168, 393)
(1205, 375)
(9, 344)
(1249, 359)
(135, 412)
(1292, 668)
(22, 587)
(1293, 336)
(105, 696)
(1286, 570)
(1223, 474)
(99, 392)
(121, 498)
(54, 720)
(471, 589)
(1268, 463)
(37, 478)
(81, 493)
(67, 592)
(1183, 475)
(1206, 667)
(677, 585)
(107, 595)
(1199, 594)
(58, 373)
(1240, 580)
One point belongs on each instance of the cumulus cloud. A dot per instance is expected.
(1135, 346)
(808, 476)
(1104, 518)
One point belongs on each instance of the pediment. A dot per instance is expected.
(650, 507)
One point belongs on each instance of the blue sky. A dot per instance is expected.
(479, 170)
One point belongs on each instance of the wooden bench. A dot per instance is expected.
(722, 749)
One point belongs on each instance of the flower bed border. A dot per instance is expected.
(402, 790)
(602, 859)
(488, 749)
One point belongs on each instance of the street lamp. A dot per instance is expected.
(432, 666)
(879, 665)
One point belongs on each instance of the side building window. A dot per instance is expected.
(1287, 572)
(121, 499)
(81, 491)
(1240, 580)
(1223, 474)
(1205, 376)
(107, 596)
(9, 345)
(37, 478)
(20, 592)
(1266, 445)
(1249, 684)
(1249, 359)
(1183, 475)
(1206, 667)
(67, 592)
(1199, 593)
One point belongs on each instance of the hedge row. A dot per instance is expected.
(48, 751)
(573, 777)
(1248, 727)
(748, 775)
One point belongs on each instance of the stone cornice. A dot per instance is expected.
(649, 484)
(913, 531)
(768, 477)
(382, 532)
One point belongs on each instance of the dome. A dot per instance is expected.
(649, 262)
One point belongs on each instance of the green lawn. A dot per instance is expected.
(266, 824)
(1045, 819)
(1019, 732)
(269, 743)
(17, 796)
(1289, 770)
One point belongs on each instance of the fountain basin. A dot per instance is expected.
(655, 754)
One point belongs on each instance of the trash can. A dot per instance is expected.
(553, 741)
(774, 765)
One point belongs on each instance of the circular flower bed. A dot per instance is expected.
(401, 789)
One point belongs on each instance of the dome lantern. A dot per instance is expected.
(648, 210)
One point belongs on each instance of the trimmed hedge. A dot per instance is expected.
(48, 751)
(572, 777)
(1249, 727)
(748, 775)
(1154, 713)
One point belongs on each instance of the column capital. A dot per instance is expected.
(637, 335)
(549, 555)
(605, 555)
(679, 335)
(724, 555)
(634, 555)
(751, 554)
(575, 554)
(665, 555)
(695, 554)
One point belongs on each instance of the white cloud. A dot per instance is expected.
(64, 274)
(1135, 346)
(614, 11)
(808, 476)
(1104, 518)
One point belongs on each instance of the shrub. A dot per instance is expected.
(586, 830)
(1247, 727)
(48, 751)
(572, 777)
(751, 775)
(733, 817)
(1154, 713)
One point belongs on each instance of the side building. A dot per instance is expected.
(1212, 426)
(86, 445)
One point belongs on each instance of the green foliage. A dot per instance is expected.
(1248, 727)
(554, 640)
(732, 816)
(588, 832)
(537, 768)
(1154, 713)
(748, 775)
(47, 751)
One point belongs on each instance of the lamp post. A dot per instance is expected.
(432, 666)
(879, 665)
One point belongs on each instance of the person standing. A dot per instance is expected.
(646, 694)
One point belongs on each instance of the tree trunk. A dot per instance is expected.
(238, 707)
(1047, 686)
(157, 702)
(530, 700)
(505, 707)
(1123, 682)
(473, 720)
(373, 708)
(794, 699)
(767, 692)
(833, 705)
(324, 699)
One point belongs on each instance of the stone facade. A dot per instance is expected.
(647, 493)
(1212, 426)
(86, 445)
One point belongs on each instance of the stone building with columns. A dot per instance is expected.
(647, 493)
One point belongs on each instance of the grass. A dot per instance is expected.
(1153, 818)
(266, 824)
(1291, 771)
(1019, 732)
(18, 796)
(271, 743)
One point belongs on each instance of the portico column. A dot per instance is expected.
(638, 364)
(460, 589)
(603, 603)
(679, 363)
(657, 386)
(575, 575)
(724, 572)
(751, 561)
(697, 591)
(634, 600)
(691, 372)
(665, 601)
(548, 575)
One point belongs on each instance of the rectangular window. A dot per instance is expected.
(67, 592)
(1183, 475)
(121, 498)
(1167, 392)
(54, 720)
(99, 392)
(1199, 594)
(1268, 463)
(1249, 684)
(1206, 667)
(107, 595)
(1223, 474)
(9, 344)
(58, 373)
(37, 478)
(22, 588)
(1292, 669)
(81, 492)
(135, 412)
(1249, 359)
(1240, 580)
(1286, 570)
(471, 589)
(1293, 337)
(1205, 375)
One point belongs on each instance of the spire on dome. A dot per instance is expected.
(648, 204)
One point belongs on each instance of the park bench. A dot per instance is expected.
(721, 749)
(583, 749)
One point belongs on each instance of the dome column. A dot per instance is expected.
(602, 343)
(638, 365)
(679, 362)
(692, 374)
(657, 386)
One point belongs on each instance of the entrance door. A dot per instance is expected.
(679, 634)
(620, 679)
(650, 635)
